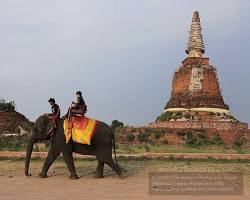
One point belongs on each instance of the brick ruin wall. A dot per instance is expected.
(229, 132)
(9, 122)
(198, 125)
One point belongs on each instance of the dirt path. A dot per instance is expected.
(19, 154)
(14, 185)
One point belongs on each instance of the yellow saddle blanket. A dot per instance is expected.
(81, 129)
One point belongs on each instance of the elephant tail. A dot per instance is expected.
(114, 146)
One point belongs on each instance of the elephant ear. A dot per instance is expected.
(46, 127)
(49, 128)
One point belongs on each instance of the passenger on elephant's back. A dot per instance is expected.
(79, 107)
(54, 115)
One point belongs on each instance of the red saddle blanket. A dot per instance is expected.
(80, 129)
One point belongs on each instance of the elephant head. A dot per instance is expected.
(38, 133)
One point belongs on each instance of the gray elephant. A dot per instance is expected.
(101, 146)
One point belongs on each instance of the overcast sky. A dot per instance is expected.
(122, 54)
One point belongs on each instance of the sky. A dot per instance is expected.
(121, 54)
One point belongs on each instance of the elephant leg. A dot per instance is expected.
(52, 155)
(99, 169)
(114, 166)
(68, 158)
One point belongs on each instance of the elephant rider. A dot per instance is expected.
(78, 108)
(54, 115)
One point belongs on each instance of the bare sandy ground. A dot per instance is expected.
(14, 185)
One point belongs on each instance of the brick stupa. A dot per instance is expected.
(196, 101)
(195, 85)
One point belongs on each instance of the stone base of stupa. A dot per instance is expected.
(229, 129)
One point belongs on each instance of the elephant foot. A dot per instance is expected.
(42, 175)
(121, 175)
(73, 177)
(98, 176)
(28, 174)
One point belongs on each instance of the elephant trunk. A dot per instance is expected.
(28, 154)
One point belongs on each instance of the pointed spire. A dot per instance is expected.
(195, 44)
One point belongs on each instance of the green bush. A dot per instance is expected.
(142, 137)
(202, 136)
(198, 139)
(166, 116)
(191, 140)
(181, 133)
(188, 116)
(178, 115)
(232, 117)
(13, 143)
(130, 137)
(157, 135)
(217, 139)
(7, 106)
(238, 143)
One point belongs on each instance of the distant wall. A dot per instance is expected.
(168, 132)
(207, 125)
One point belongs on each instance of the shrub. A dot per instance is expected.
(199, 138)
(142, 137)
(232, 117)
(130, 137)
(7, 106)
(178, 115)
(202, 136)
(217, 139)
(181, 133)
(166, 116)
(13, 143)
(157, 135)
(188, 116)
(191, 140)
(238, 143)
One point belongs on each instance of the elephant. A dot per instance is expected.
(102, 143)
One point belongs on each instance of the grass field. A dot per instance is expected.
(131, 149)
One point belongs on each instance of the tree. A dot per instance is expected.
(7, 106)
(116, 124)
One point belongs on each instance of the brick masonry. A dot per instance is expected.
(218, 125)
(207, 94)
(9, 122)
(229, 132)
